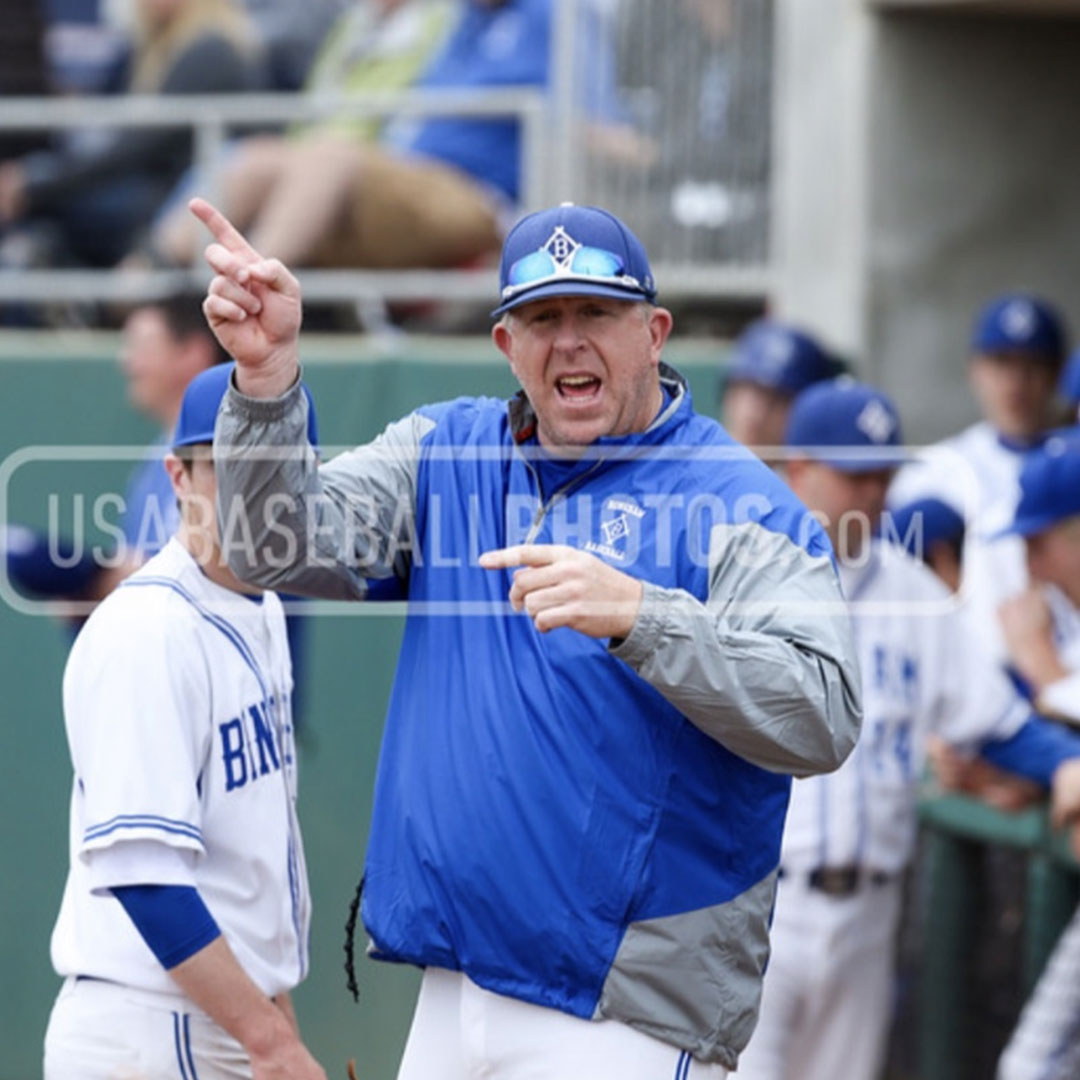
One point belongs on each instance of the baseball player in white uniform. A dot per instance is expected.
(1017, 352)
(184, 921)
(827, 998)
(1042, 630)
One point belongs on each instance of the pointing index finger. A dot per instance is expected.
(519, 555)
(225, 232)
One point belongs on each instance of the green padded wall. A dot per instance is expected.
(66, 391)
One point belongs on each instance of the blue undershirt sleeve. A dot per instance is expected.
(172, 919)
(1035, 751)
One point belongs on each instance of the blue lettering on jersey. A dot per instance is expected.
(264, 740)
(232, 754)
(241, 745)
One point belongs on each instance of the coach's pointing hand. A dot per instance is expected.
(562, 586)
(253, 307)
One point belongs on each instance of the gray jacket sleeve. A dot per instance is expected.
(288, 522)
(767, 665)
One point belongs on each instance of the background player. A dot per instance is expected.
(1018, 346)
(184, 919)
(770, 364)
(165, 344)
(1042, 632)
(849, 835)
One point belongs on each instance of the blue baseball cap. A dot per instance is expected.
(571, 250)
(936, 520)
(202, 398)
(779, 357)
(1069, 385)
(1018, 322)
(1049, 485)
(847, 416)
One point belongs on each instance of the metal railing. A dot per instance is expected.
(671, 204)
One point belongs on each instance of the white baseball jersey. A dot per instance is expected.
(922, 673)
(977, 474)
(826, 1002)
(177, 709)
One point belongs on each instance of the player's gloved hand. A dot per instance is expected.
(253, 306)
(562, 586)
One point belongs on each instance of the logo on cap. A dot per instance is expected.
(560, 245)
(1018, 319)
(778, 350)
(876, 422)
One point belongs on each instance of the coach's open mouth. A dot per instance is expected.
(577, 387)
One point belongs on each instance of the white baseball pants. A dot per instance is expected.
(104, 1031)
(462, 1032)
(828, 996)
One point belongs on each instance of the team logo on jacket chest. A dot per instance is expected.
(619, 530)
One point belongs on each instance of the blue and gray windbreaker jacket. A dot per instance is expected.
(588, 825)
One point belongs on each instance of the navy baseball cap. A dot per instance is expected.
(779, 357)
(202, 398)
(572, 250)
(1018, 322)
(847, 416)
(937, 521)
(1049, 485)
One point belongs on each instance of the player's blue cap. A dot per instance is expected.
(847, 425)
(1018, 322)
(779, 357)
(1069, 385)
(922, 522)
(1049, 485)
(43, 568)
(202, 398)
(572, 250)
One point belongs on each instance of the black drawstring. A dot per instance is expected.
(350, 941)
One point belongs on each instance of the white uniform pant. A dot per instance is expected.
(1046, 1043)
(828, 996)
(462, 1032)
(105, 1031)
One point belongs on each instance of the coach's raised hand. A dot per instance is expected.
(253, 307)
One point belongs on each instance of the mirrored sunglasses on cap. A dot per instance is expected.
(587, 263)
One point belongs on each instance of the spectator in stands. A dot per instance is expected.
(1017, 351)
(86, 49)
(292, 34)
(96, 198)
(307, 176)
(23, 68)
(432, 192)
(771, 363)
